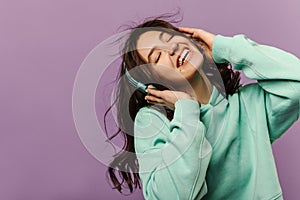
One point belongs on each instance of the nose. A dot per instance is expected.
(172, 48)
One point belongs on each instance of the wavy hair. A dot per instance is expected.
(123, 170)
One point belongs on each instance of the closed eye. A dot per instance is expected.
(157, 59)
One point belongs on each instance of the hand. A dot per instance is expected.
(166, 98)
(199, 35)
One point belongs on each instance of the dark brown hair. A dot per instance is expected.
(123, 170)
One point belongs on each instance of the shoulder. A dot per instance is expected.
(250, 90)
(249, 98)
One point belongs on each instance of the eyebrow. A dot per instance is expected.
(154, 48)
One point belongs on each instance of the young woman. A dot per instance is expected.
(209, 142)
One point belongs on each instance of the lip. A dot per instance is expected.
(187, 58)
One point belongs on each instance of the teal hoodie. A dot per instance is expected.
(222, 150)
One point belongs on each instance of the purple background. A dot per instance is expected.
(43, 43)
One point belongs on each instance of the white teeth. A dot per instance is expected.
(183, 56)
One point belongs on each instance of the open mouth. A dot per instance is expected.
(183, 57)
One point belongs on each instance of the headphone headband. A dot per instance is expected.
(140, 86)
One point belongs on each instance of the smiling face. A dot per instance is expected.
(172, 56)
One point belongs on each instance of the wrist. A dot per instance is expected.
(186, 97)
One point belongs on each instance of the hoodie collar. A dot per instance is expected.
(215, 98)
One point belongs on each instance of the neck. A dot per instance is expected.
(202, 87)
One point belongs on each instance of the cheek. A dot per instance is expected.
(197, 60)
(164, 70)
(142, 53)
(168, 73)
(166, 61)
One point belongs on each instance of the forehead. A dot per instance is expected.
(147, 41)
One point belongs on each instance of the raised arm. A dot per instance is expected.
(277, 72)
(173, 155)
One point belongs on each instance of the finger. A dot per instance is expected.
(188, 35)
(153, 92)
(154, 99)
(156, 103)
(151, 86)
(190, 31)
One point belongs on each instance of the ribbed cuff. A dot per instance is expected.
(186, 109)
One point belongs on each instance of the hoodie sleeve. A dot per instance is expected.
(173, 155)
(277, 73)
